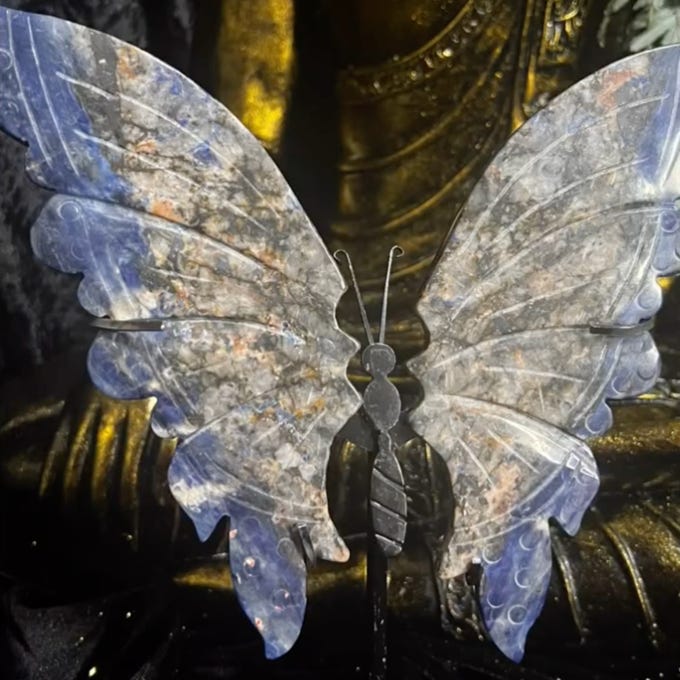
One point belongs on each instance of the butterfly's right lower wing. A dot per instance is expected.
(558, 247)
(510, 473)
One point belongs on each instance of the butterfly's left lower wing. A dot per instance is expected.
(182, 225)
(558, 247)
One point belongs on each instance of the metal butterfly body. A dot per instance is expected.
(173, 212)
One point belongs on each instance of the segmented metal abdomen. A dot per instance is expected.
(388, 499)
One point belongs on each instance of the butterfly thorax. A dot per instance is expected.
(382, 402)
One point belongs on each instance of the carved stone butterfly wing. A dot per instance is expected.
(175, 214)
(562, 239)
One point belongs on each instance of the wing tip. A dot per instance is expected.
(514, 588)
(269, 577)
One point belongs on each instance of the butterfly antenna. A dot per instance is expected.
(357, 292)
(395, 251)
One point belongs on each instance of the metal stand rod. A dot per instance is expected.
(376, 572)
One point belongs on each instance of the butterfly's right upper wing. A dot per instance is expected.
(174, 212)
(566, 232)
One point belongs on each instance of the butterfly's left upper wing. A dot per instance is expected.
(566, 232)
(173, 212)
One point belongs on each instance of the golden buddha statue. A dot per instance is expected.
(382, 116)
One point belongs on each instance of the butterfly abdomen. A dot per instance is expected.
(388, 499)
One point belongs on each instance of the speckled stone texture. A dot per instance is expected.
(569, 227)
(173, 211)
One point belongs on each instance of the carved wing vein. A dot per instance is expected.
(140, 157)
(155, 112)
(225, 249)
(517, 335)
(512, 451)
(546, 296)
(48, 99)
(535, 372)
(313, 423)
(510, 263)
(29, 112)
(307, 513)
(558, 194)
(603, 120)
(162, 380)
(671, 139)
(475, 459)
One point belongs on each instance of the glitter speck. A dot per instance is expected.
(250, 566)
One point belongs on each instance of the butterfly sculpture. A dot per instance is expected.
(221, 300)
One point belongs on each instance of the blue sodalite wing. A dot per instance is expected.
(568, 228)
(171, 210)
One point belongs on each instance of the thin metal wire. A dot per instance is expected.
(620, 331)
(140, 325)
(395, 251)
(360, 302)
